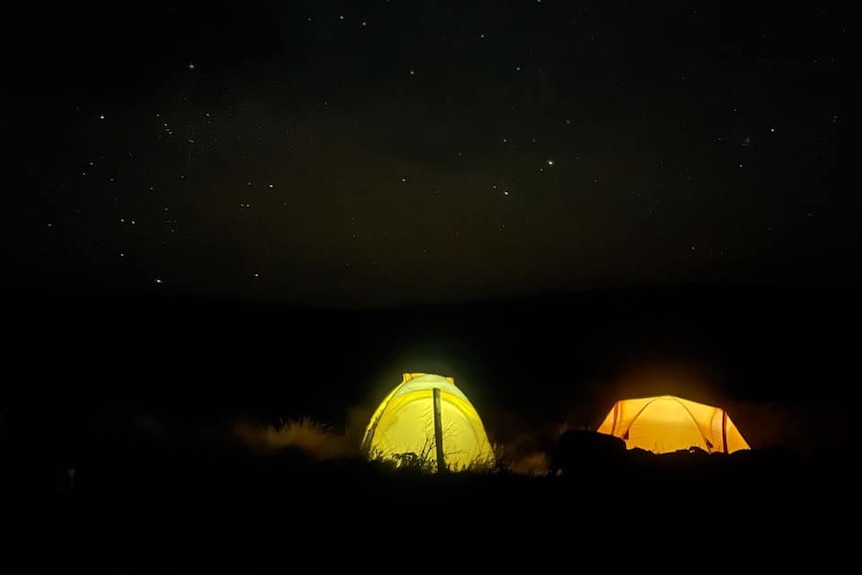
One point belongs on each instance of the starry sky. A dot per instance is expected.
(374, 152)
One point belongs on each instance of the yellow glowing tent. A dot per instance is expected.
(427, 421)
(667, 423)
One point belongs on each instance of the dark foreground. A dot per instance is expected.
(147, 507)
(144, 508)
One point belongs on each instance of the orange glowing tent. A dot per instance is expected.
(668, 423)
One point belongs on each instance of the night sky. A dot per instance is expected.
(369, 153)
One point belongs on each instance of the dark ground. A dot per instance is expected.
(150, 509)
(79, 366)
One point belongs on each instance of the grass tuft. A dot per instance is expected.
(317, 440)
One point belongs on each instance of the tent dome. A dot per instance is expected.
(404, 426)
(668, 423)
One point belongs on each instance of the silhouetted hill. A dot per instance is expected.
(776, 342)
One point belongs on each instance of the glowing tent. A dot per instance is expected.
(429, 422)
(667, 423)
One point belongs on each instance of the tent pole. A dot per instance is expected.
(438, 432)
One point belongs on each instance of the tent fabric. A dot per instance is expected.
(403, 424)
(667, 423)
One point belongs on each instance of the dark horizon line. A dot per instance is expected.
(71, 292)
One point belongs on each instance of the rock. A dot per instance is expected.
(585, 450)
